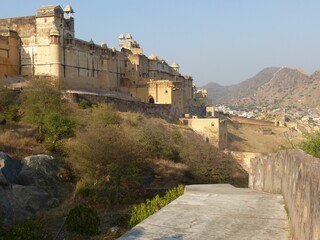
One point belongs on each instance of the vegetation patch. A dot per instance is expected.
(312, 145)
(83, 220)
(114, 156)
(42, 106)
(26, 230)
(144, 210)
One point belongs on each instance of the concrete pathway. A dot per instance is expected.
(218, 211)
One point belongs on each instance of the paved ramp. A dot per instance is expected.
(218, 211)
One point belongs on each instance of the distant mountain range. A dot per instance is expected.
(273, 87)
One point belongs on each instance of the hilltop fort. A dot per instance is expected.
(45, 46)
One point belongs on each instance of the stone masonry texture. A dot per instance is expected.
(296, 176)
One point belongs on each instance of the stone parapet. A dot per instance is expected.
(296, 176)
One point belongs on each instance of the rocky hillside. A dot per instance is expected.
(277, 87)
(30, 186)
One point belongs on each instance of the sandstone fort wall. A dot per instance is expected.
(214, 130)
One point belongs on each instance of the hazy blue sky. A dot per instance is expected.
(224, 41)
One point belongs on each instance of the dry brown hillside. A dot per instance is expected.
(167, 155)
(277, 87)
(249, 138)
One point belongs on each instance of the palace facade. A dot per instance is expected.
(45, 46)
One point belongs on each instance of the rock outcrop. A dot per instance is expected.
(10, 168)
(29, 187)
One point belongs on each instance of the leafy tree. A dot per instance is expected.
(38, 99)
(57, 127)
(312, 145)
(41, 105)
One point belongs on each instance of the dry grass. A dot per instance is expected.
(249, 138)
(197, 162)
(168, 174)
(15, 142)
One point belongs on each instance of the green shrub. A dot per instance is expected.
(86, 189)
(159, 142)
(155, 140)
(37, 99)
(7, 97)
(83, 220)
(144, 210)
(119, 219)
(104, 115)
(176, 135)
(26, 230)
(125, 182)
(112, 158)
(11, 112)
(312, 145)
(172, 194)
(41, 105)
(57, 126)
(8, 103)
(84, 104)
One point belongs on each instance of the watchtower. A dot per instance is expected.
(68, 21)
(127, 42)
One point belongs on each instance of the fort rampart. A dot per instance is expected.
(166, 111)
(296, 176)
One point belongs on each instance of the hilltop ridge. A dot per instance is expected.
(273, 86)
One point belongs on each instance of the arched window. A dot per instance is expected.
(151, 100)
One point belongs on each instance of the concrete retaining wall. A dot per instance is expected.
(296, 176)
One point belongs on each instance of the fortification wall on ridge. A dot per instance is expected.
(166, 111)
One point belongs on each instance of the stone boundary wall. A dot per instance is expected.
(296, 176)
(165, 111)
(252, 121)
